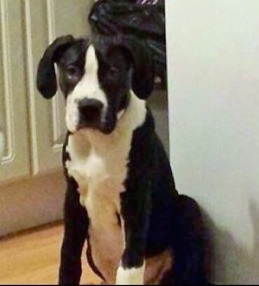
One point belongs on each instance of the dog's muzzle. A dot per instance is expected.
(92, 114)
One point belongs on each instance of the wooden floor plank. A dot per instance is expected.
(32, 258)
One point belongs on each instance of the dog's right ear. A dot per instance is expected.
(46, 76)
(141, 59)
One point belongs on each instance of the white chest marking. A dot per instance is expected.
(100, 176)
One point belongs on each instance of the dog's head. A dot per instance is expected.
(96, 78)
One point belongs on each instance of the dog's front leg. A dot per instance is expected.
(75, 223)
(134, 209)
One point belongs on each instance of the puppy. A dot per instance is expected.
(121, 194)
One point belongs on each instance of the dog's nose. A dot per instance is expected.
(90, 110)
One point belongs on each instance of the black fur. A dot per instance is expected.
(148, 204)
(46, 76)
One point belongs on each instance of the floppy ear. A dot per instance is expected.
(143, 68)
(46, 76)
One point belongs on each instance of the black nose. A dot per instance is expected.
(89, 110)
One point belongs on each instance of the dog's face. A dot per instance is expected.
(96, 78)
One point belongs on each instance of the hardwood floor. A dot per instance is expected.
(33, 258)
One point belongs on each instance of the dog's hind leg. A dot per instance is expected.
(189, 244)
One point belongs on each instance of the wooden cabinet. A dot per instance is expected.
(13, 107)
(31, 179)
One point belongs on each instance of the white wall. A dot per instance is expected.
(213, 66)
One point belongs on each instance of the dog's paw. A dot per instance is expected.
(131, 276)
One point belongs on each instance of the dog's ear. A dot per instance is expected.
(142, 81)
(46, 76)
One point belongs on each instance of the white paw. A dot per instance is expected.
(132, 276)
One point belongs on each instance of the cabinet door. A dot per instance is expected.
(46, 20)
(13, 107)
(31, 178)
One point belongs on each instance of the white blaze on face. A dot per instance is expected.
(87, 87)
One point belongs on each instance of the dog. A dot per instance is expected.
(121, 196)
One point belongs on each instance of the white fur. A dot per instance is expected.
(99, 165)
(87, 87)
(132, 276)
(151, 272)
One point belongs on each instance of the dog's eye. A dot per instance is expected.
(73, 72)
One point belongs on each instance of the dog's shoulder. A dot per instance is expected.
(147, 151)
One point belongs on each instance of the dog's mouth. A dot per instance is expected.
(104, 123)
(104, 120)
(103, 128)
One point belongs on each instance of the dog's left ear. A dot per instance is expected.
(46, 76)
(142, 64)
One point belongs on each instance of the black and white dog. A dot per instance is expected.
(121, 195)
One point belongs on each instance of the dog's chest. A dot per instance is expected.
(100, 174)
(98, 169)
